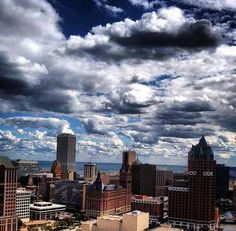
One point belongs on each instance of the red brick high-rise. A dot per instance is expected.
(56, 169)
(8, 186)
(193, 207)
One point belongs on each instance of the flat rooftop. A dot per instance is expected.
(42, 205)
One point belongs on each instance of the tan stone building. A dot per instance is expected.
(132, 221)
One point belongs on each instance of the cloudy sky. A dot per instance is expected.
(153, 76)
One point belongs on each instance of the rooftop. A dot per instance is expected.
(42, 205)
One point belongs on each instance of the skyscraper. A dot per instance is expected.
(143, 178)
(128, 158)
(66, 146)
(8, 186)
(193, 207)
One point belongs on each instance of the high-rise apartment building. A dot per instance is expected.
(23, 204)
(143, 178)
(66, 148)
(8, 186)
(193, 207)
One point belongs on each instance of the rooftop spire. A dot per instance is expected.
(202, 142)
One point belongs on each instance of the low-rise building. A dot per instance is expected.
(152, 205)
(45, 210)
(23, 204)
(132, 221)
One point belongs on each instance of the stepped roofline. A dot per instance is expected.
(202, 149)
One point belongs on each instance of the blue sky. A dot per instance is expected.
(153, 76)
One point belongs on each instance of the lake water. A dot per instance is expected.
(113, 167)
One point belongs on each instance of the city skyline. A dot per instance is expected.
(153, 76)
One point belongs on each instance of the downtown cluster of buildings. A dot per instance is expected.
(138, 196)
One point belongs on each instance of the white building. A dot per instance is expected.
(23, 204)
(45, 210)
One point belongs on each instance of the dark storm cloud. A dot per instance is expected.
(11, 79)
(198, 35)
(193, 107)
(190, 37)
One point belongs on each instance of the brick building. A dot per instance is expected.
(107, 199)
(152, 205)
(8, 186)
(111, 199)
(56, 169)
(193, 207)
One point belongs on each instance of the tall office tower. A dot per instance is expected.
(128, 158)
(222, 181)
(8, 186)
(193, 207)
(56, 169)
(143, 179)
(66, 146)
(164, 179)
(90, 171)
(23, 204)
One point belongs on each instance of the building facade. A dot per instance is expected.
(132, 221)
(45, 210)
(27, 167)
(193, 207)
(128, 158)
(90, 171)
(222, 181)
(70, 193)
(56, 169)
(143, 179)
(107, 199)
(66, 149)
(152, 205)
(8, 186)
(164, 179)
(23, 204)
